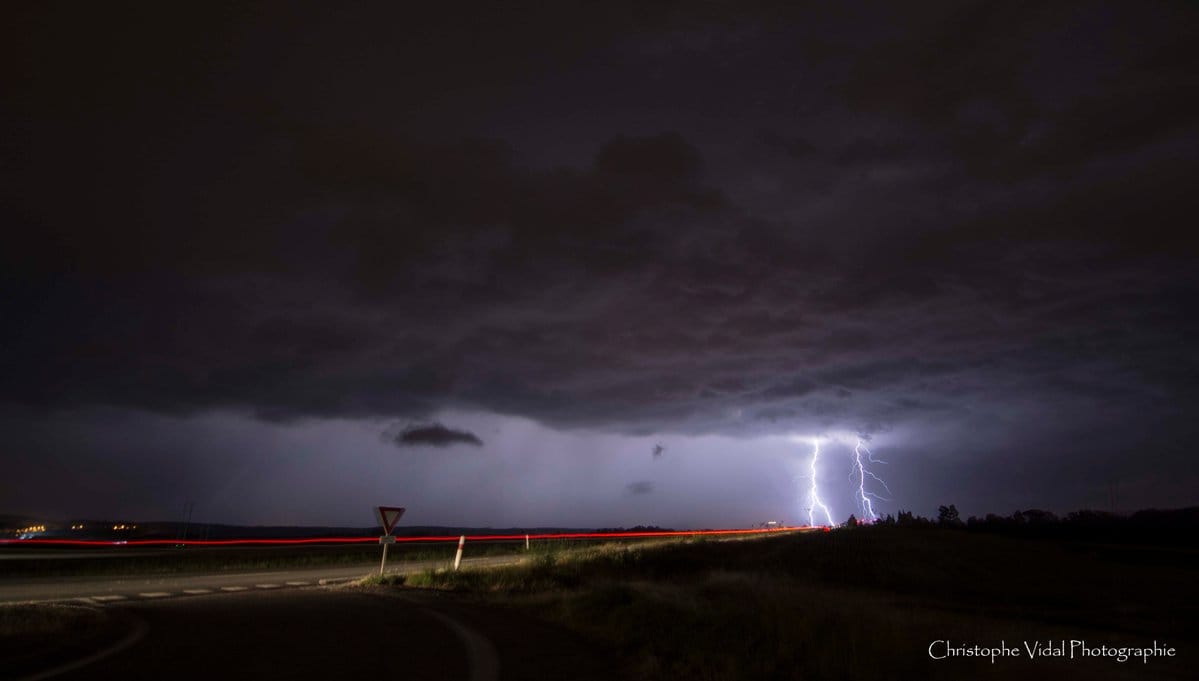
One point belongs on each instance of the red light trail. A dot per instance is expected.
(375, 540)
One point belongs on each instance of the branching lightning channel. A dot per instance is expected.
(865, 497)
(814, 490)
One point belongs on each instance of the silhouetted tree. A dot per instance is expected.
(948, 515)
(1038, 517)
(852, 522)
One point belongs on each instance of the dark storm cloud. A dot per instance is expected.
(639, 488)
(1015, 93)
(432, 435)
(795, 147)
(729, 220)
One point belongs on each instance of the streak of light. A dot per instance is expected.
(375, 540)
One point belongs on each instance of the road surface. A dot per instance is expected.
(284, 625)
(321, 634)
(109, 589)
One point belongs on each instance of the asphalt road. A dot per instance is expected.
(302, 634)
(284, 625)
(109, 589)
(327, 633)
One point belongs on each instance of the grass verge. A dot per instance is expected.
(853, 604)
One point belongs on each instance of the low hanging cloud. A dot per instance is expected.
(639, 488)
(432, 435)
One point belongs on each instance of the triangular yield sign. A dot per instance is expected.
(388, 517)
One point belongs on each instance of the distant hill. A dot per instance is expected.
(104, 529)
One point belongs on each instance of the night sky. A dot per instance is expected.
(597, 264)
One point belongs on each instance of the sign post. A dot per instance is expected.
(388, 517)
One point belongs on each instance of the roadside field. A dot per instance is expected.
(863, 603)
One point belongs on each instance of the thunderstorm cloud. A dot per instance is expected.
(434, 435)
(639, 488)
(965, 229)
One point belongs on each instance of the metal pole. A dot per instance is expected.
(384, 563)
(458, 557)
(188, 508)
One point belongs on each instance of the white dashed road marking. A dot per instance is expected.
(267, 586)
(155, 594)
(234, 588)
(196, 592)
(298, 583)
(109, 597)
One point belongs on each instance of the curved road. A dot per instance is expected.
(257, 625)
(108, 589)
(297, 634)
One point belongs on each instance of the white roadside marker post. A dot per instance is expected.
(526, 542)
(458, 557)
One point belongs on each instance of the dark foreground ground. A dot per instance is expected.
(317, 634)
(864, 603)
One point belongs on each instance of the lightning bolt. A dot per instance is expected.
(865, 498)
(814, 490)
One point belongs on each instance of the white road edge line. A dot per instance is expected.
(481, 657)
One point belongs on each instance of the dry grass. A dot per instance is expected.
(859, 604)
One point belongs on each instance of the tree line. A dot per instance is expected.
(1148, 525)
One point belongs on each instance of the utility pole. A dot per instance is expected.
(188, 508)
